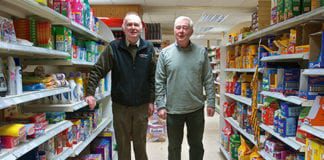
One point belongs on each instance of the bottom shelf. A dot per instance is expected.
(266, 155)
(225, 153)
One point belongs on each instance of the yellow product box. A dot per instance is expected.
(244, 61)
(244, 88)
(243, 50)
(313, 149)
(250, 62)
(238, 62)
(231, 64)
(252, 50)
(14, 130)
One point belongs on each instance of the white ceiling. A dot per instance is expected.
(165, 12)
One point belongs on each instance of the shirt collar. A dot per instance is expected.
(189, 46)
(137, 43)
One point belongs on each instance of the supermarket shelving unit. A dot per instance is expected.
(317, 14)
(22, 9)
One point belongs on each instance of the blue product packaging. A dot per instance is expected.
(289, 110)
(315, 87)
(288, 126)
(237, 88)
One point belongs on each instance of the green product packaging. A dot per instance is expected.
(306, 6)
(69, 41)
(292, 8)
(60, 36)
(235, 143)
(280, 10)
(32, 29)
(90, 47)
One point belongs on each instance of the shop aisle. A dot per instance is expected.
(159, 150)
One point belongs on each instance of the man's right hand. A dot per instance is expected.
(162, 113)
(91, 102)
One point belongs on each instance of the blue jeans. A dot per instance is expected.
(195, 123)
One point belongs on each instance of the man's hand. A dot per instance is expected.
(210, 111)
(150, 109)
(91, 102)
(162, 113)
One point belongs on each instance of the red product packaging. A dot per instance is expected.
(9, 141)
(302, 135)
(229, 109)
(58, 140)
(268, 115)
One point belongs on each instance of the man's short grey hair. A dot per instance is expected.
(130, 14)
(184, 18)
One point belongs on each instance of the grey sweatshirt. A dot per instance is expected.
(181, 74)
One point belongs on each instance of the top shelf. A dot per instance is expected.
(23, 8)
(312, 15)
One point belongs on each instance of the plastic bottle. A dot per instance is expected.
(3, 82)
(18, 80)
(11, 76)
(86, 13)
(73, 94)
(79, 86)
(77, 8)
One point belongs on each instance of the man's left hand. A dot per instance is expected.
(210, 111)
(150, 109)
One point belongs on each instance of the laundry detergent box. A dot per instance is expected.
(289, 110)
(287, 126)
(315, 87)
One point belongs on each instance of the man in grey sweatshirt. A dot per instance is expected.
(182, 71)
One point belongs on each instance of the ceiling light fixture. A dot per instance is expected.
(212, 18)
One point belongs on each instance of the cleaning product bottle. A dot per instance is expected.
(11, 76)
(3, 82)
(72, 94)
(79, 86)
(18, 80)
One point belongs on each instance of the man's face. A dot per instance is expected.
(182, 31)
(133, 27)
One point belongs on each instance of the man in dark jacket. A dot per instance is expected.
(132, 63)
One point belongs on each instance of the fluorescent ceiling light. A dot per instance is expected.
(203, 29)
(212, 18)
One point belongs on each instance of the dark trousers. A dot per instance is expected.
(130, 123)
(195, 123)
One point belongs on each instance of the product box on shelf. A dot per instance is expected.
(315, 87)
(263, 13)
(289, 110)
(306, 6)
(315, 116)
(287, 126)
(292, 8)
(7, 31)
(316, 57)
(314, 149)
(288, 81)
(106, 135)
(274, 12)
